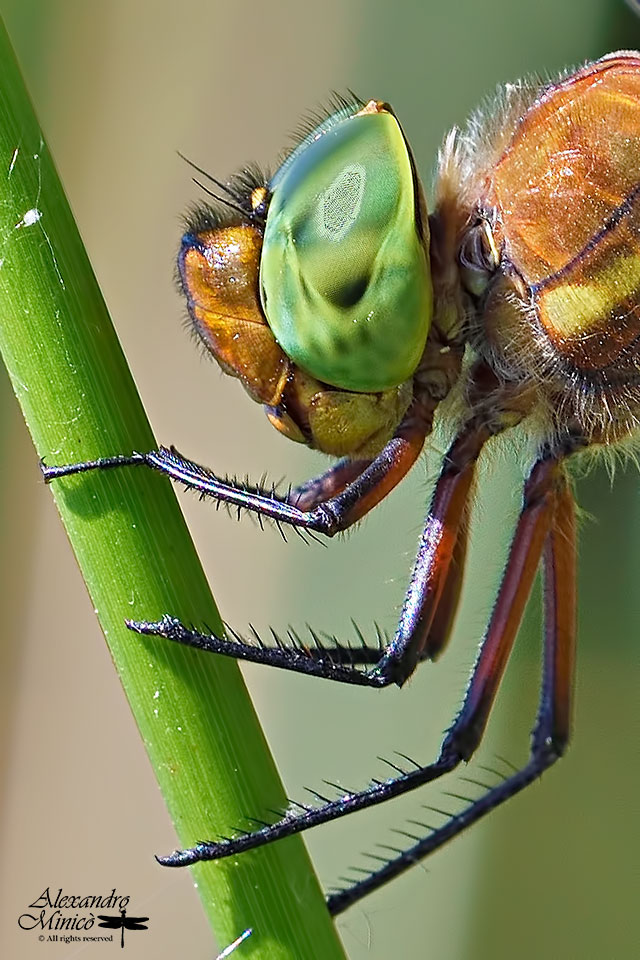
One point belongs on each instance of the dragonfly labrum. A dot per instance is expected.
(355, 316)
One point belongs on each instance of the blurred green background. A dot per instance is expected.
(120, 87)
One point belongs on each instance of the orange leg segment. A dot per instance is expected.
(555, 511)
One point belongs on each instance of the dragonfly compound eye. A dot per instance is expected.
(344, 273)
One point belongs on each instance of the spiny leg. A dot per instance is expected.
(325, 485)
(353, 488)
(428, 578)
(551, 733)
(540, 500)
(465, 734)
(314, 659)
(349, 504)
(435, 553)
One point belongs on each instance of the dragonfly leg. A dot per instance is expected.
(432, 581)
(447, 607)
(315, 658)
(539, 505)
(551, 733)
(328, 484)
(399, 659)
(352, 492)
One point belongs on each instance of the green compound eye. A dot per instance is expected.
(344, 276)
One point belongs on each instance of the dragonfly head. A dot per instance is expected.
(314, 288)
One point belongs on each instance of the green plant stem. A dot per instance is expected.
(136, 555)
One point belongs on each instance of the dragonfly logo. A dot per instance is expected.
(122, 923)
(73, 918)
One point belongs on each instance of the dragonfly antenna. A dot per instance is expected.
(227, 203)
(218, 183)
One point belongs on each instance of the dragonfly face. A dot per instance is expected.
(352, 316)
(327, 319)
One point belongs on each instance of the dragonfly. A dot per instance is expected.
(122, 923)
(358, 319)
